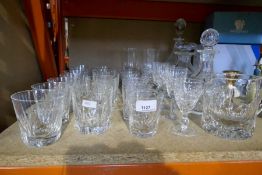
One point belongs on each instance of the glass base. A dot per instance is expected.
(228, 129)
(171, 117)
(66, 114)
(234, 134)
(143, 135)
(93, 130)
(237, 132)
(178, 130)
(65, 119)
(197, 113)
(96, 131)
(125, 116)
(40, 142)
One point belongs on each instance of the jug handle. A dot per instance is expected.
(197, 72)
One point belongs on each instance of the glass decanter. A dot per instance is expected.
(182, 52)
(209, 38)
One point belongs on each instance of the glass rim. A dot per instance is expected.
(108, 71)
(79, 67)
(194, 81)
(103, 67)
(143, 90)
(240, 76)
(13, 98)
(104, 77)
(48, 82)
(188, 78)
(59, 79)
(185, 52)
(178, 67)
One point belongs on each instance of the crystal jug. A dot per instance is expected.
(230, 103)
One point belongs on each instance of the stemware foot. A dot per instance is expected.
(178, 130)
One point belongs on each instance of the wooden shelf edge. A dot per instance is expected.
(146, 10)
(197, 168)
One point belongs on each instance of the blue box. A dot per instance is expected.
(237, 27)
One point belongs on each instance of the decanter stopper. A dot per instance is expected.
(209, 38)
(180, 25)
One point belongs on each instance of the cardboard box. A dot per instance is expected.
(237, 27)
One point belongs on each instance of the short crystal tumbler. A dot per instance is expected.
(144, 113)
(61, 87)
(39, 115)
(92, 107)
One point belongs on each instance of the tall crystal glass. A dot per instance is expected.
(186, 94)
(176, 73)
(105, 72)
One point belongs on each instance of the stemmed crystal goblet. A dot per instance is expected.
(186, 93)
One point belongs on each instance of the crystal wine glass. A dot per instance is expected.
(173, 74)
(186, 94)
